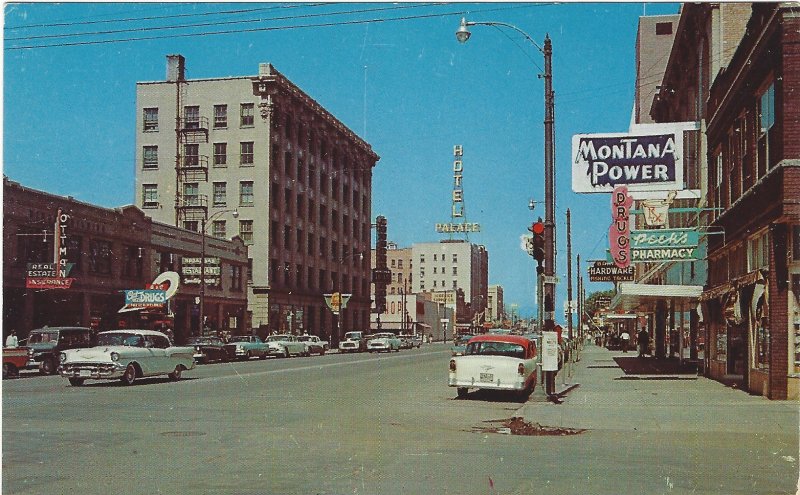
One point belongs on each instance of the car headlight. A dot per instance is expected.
(30, 352)
(63, 357)
(239, 347)
(115, 356)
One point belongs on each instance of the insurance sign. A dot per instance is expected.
(646, 162)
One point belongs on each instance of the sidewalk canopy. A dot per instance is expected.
(633, 296)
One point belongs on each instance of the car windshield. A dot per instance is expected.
(200, 340)
(277, 338)
(352, 336)
(43, 337)
(241, 338)
(496, 349)
(305, 338)
(126, 339)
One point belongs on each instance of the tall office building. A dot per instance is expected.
(257, 157)
(495, 307)
(449, 265)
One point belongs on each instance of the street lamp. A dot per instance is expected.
(462, 35)
(203, 222)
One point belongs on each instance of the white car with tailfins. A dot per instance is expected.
(126, 355)
(495, 362)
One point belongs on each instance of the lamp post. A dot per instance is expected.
(203, 224)
(462, 35)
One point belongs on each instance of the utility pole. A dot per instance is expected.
(549, 186)
(580, 298)
(569, 276)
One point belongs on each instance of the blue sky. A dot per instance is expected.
(405, 85)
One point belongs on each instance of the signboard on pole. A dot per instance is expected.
(549, 351)
(604, 271)
(643, 162)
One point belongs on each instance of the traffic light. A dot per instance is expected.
(381, 274)
(538, 242)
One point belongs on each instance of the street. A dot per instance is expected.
(383, 424)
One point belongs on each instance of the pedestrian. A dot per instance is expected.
(11, 340)
(625, 337)
(644, 342)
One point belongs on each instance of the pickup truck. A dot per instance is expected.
(353, 342)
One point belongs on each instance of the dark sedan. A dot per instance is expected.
(207, 349)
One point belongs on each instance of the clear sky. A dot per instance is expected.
(404, 84)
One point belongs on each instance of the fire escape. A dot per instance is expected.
(191, 167)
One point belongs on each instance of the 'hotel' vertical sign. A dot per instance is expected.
(457, 214)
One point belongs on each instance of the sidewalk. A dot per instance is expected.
(607, 398)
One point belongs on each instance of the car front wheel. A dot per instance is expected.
(176, 375)
(49, 367)
(462, 392)
(130, 375)
(76, 382)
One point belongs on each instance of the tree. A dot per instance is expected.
(591, 305)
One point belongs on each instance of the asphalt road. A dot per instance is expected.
(336, 424)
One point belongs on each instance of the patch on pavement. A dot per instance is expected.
(518, 426)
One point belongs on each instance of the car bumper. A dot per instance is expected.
(496, 384)
(98, 371)
(348, 348)
(380, 347)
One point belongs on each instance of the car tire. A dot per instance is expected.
(76, 382)
(286, 352)
(9, 371)
(263, 356)
(462, 392)
(48, 367)
(130, 375)
(322, 352)
(248, 356)
(176, 375)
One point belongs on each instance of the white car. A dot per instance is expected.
(127, 355)
(384, 341)
(314, 344)
(285, 345)
(496, 362)
(353, 342)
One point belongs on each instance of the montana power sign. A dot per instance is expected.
(646, 162)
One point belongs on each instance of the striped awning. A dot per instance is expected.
(632, 296)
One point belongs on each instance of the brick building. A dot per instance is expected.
(110, 250)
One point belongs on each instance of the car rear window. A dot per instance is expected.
(496, 349)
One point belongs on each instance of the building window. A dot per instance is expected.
(150, 120)
(758, 251)
(422, 258)
(220, 154)
(455, 270)
(287, 237)
(246, 193)
(399, 263)
(150, 157)
(132, 265)
(435, 258)
(191, 155)
(218, 229)
(663, 28)
(149, 195)
(435, 270)
(220, 116)
(220, 193)
(191, 194)
(100, 257)
(455, 284)
(246, 113)
(246, 231)
(246, 153)
(191, 117)
(394, 263)
(236, 277)
(191, 225)
(766, 120)
(455, 258)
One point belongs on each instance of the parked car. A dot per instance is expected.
(207, 349)
(384, 341)
(46, 343)
(460, 345)
(418, 340)
(245, 347)
(406, 341)
(314, 344)
(353, 342)
(285, 345)
(127, 355)
(497, 362)
(14, 359)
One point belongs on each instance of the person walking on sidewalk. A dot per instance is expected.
(625, 337)
(644, 342)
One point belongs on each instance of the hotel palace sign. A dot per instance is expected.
(457, 211)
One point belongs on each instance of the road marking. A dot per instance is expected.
(242, 376)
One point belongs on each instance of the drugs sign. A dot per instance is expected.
(650, 162)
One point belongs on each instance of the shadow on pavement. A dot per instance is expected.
(652, 366)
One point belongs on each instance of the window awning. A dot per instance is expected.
(633, 296)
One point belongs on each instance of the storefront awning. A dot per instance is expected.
(628, 316)
(633, 296)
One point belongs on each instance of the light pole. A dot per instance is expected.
(462, 35)
(548, 280)
(203, 224)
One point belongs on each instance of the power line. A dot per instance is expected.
(217, 23)
(263, 29)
